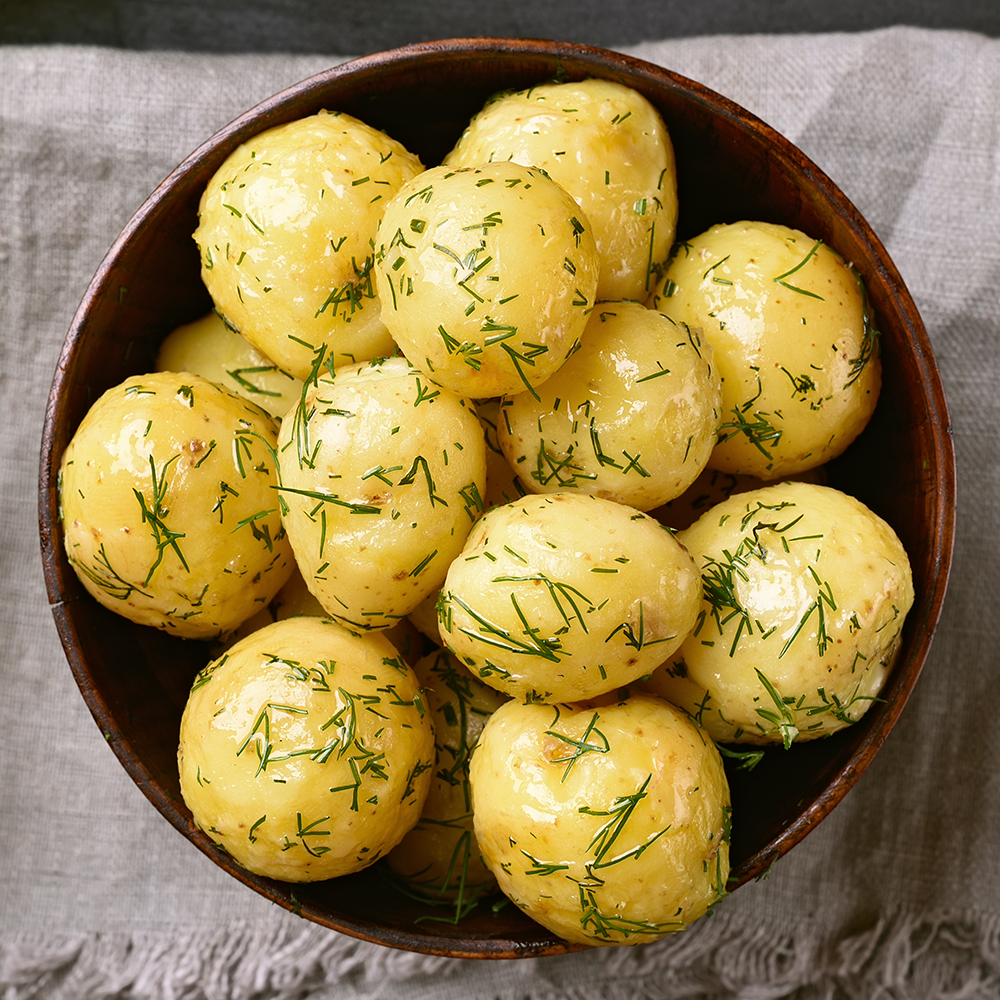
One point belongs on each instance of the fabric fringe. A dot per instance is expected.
(944, 956)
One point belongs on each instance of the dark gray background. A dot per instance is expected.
(358, 27)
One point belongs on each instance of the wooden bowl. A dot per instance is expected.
(731, 166)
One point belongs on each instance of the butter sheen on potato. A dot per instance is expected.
(305, 751)
(794, 343)
(607, 822)
(564, 597)
(285, 234)
(609, 148)
(805, 592)
(168, 505)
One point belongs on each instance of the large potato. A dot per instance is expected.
(168, 505)
(305, 751)
(608, 147)
(486, 276)
(633, 416)
(439, 857)
(793, 338)
(805, 594)
(608, 823)
(567, 596)
(382, 475)
(285, 230)
(211, 349)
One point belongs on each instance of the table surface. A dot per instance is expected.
(896, 891)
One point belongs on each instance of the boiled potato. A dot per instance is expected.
(486, 276)
(285, 229)
(608, 823)
(805, 595)
(209, 348)
(793, 338)
(168, 505)
(382, 475)
(633, 416)
(608, 147)
(567, 596)
(439, 857)
(306, 752)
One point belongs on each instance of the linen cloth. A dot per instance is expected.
(896, 894)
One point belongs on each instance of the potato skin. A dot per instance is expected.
(608, 823)
(212, 350)
(284, 234)
(608, 147)
(486, 276)
(805, 595)
(793, 338)
(382, 475)
(168, 508)
(440, 857)
(283, 767)
(564, 597)
(632, 416)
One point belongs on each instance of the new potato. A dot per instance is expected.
(607, 822)
(567, 596)
(793, 338)
(805, 595)
(306, 751)
(169, 512)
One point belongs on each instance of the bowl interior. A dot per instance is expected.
(730, 167)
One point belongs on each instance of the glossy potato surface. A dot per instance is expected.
(305, 751)
(382, 475)
(608, 147)
(168, 507)
(606, 822)
(285, 229)
(633, 415)
(805, 595)
(794, 341)
(487, 276)
(566, 596)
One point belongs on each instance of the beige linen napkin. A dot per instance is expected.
(898, 890)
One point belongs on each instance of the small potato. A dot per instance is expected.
(503, 484)
(168, 505)
(793, 338)
(382, 475)
(285, 230)
(633, 416)
(608, 147)
(805, 594)
(306, 752)
(608, 823)
(212, 350)
(486, 276)
(566, 596)
(439, 856)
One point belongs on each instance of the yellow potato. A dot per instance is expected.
(567, 596)
(306, 752)
(439, 856)
(486, 276)
(793, 338)
(633, 416)
(168, 505)
(805, 594)
(608, 147)
(503, 484)
(209, 348)
(608, 823)
(285, 230)
(382, 475)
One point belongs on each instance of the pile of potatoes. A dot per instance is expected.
(430, 474)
